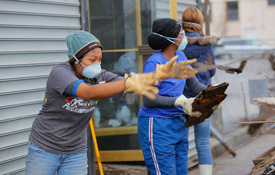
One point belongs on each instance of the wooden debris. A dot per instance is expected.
(254, 122)
(208, 65)
(266, 102)
(204, 102)
(272, 61)
(228, 69)
(263, 161)
(269, 104)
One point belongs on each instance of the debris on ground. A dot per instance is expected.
(265, 163)
(272, 61)
(113, 169)
(268, 103)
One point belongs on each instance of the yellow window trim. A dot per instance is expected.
(121, 156)
(119, 50)
(173, 9)
(116, 131)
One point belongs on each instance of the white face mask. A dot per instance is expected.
(91, 71)
(183, 43)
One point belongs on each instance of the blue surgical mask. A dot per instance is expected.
(91, 71)
(182, 45)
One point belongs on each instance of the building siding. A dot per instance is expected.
(32, 41)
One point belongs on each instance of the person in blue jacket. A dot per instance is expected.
(161, 127)
(192, 20)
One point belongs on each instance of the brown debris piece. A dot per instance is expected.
(265, 102)
(231, 70)
(204, 102)
(208, 65)
(263, 161)
(272, 61)
(207, 40)
(253, 128)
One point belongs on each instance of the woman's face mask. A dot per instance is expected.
(91, 71)
(183, 43)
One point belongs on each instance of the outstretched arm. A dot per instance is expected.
(194, 85)
(100, 91)
(163, 101)
(160, 101)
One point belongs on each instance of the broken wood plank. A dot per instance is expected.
(265, 102)
(254, 122)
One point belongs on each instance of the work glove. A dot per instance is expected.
(142, 84)
(179, 70)
(186, 104)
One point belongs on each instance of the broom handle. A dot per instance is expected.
(96, 147)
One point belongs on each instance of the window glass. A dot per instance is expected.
(114, 23)
(120, 109)
(242, 42)
(271, 2)
(232, 10)
(237, 42)
(250, 42)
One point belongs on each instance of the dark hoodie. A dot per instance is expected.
(200, 52)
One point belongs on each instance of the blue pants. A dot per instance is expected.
(164, 147)
(41, 162)
(202, 140)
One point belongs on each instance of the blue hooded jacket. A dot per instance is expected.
(200, 52)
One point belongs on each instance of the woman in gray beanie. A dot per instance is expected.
(58, 138)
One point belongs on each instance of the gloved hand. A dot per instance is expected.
(186, 104)
(179, 70)
(142, 84)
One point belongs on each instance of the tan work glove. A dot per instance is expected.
(186, 104)
(179, 70)
(142, 84)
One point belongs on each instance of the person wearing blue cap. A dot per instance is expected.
(58, 138)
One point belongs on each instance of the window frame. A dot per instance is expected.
(228, 18)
